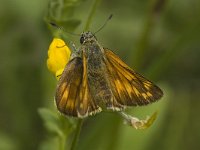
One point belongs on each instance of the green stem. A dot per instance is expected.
(77, 134)
(91, 14)
(143, 43)
(62, 143)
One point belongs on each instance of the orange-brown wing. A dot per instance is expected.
(72, 94)
(128, 87)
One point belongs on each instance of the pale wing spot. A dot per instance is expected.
(144, 95)
(129, 76)
(81, 105)
(129, 90)
(82, 116)
(149, 94)
(127, 87)
(133, 77)
(70, 103)
(136, 91)
(90, 113)
(85, 97)
(117, 82)
(118, 85)
(95, 111)
(115, 108)
(63, 87)
(148, 83)
(64, 96)
(146, 86)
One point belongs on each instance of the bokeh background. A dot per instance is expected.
(158, 38)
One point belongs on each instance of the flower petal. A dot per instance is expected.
(58, 56)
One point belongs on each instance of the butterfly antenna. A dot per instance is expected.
(104, 24)
(61, 28)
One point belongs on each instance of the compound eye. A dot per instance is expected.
(81, 39)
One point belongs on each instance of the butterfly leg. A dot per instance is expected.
(75, 51)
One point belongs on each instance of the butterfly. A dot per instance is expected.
(96, 79)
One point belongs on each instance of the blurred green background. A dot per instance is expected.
(158, 38)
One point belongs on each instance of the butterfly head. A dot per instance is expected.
(87, 37)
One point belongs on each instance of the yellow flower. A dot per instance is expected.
(58, 56)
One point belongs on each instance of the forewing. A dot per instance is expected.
(72, 94)
(128, 87)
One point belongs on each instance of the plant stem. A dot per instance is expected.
(91, 14)
(62, 142)
(77, 133)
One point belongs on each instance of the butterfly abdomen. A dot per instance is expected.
(97, 80)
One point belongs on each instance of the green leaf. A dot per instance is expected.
(51, 121)
(7, 142)
(49, 144)
(57, 124)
